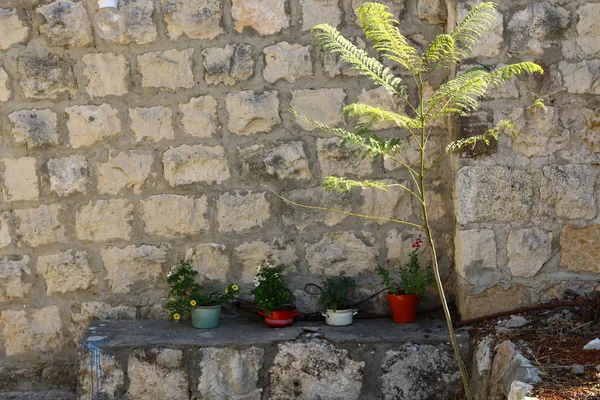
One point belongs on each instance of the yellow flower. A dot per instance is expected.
(176, 316)
(226, 290)
(193, 303)
(172, 299)
(235, 288)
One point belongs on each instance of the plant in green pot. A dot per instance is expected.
(335, 300)
(273, 297)
(403, 299)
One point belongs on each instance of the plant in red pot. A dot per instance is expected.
(403, 299)
(273, 297)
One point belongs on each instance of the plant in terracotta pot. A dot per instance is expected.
(186, 296)
(334, 300)
(273, 297)
(404, 298)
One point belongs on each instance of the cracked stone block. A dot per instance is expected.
(200, 117)
(394, 203)
(39, 226)
(5, 91)
(588, 28)
(34, 128)
(20, 181)
(12, 29)
(316, 12)
(336, 161)
(14, 276)
(157, 374)
(170, 69)
(475, 252)
(434, 11)
(584, 123)
(68, 175)
(341, 252)
(172, 215)
(47, 77)
(528, 250)
(229, 65)
(107, 74)
(65, 272)
(567, 191)
(287, 61)
(127, 170)
(67, 23)
(91, 124)
(322, 105)
(582, 77)
(210, 260)
(250, 255)
(579, 251)
(539, 131)
(138, 20)
(287, 161)
(240, 212)
(153, 123)
(472, 304)
(38, 331)
(105, 220)
(251, 112)
(197, 19)
(266, 17)
(531, 27)
(187, 164)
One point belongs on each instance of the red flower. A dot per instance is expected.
(417, 244)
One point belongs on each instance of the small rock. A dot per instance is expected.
(519, 390)
(592, 345)
(577, 369)
(516, 321)
(598, 368)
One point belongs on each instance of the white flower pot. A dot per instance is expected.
(339, 317)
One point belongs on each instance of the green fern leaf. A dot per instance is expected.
(368, 114)
(505, 126)
(474, 25)
(503, 74)
(441, 51)
(342, 185)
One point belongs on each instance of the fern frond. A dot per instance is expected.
(381, 28)
(331, 40)
(368, 114)
(503, 74)
(340, 184)
(441, 51)
(473, 26)
(505, 126)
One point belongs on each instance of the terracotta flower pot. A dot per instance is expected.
(404, 307)
(279, 318)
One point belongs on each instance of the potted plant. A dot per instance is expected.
(185, 296)
(334, 300)
(273, 297)
(403, 299)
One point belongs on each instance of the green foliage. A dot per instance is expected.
(335, 293)
(505, 126)
(271, 293)
(344, 185)
(473, 26)
(414, 279)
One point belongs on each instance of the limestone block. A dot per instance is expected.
(35, 128)
(322, 105)
(420, 372)
(65, 272)
(12, 29)
(200, 117)
(579, 249)
(105, 220)
(68, 175)
(133, 266)
(493, 194)
(412, 155)
(197, 19)
(126, 170)
(584, 123)
(39, 331)
(107, 376)
(336, 161)
(581, 77)
(530, 27)
(229, 65)
(399, 246)
(20, 179)
(153, 123)
(107, 74)
(287, 161)
(567, 191)
(287, 61)
(5, 229)
(539, 131)
(227, 373)
(47, 77)
(588, 28)
(39, 226)
(187, 164)
(492, 41)
(381, 98)
(266, 17)
(433, 11)
(314, 369)
(251, 112)
(90, 124)
(303, 218)
(495, 299)
(170, 69)
(240, 212)
(528, 249)
(88, 312)
(210, 261)
(67, 23)
(475, 252)
(316, 12)
(138, 20)
(340, 253)
(5, 91)
(280, 251)
(157, 374)
(172, 215)
(14, 274)
(395, 203)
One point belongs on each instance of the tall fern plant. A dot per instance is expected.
(459, 96)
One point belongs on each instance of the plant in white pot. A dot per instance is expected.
(335, 300)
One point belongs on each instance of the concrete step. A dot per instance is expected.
(44, 395)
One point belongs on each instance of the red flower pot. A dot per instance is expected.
(404, 307)
(279, 318)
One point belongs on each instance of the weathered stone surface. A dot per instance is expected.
(107, 382)
(67, 23)
(229, 65)
(588, 28)
(90, 124)
(40, 395)
(303, 218)
(131, 266)
(492, 41)
(35, 128)
(287, 161)
(279, 251)
(251, 112)
(537, 22)
(528, 249)
(316, 12)
(399, 246)
(5, 91)
(94, 310)
(40, 331)
(323, 105)
(138, 20)
(105, 220)
(157, 374)
(567, 191)
(475, 252)
(336, 161)
(265, 16)
(20, 179)
(173, 215)
(493, 194)
(227, 373)
(153, 123)
(68, 175)
(197, 19)
(200, 116)
(381, 98)
(433, 11)
(190, 164)
(65, 272)
(584, 123)
(412, 155)
(580, 251)
(520, 391)
(340, 253)
(47, 77)
(395, 203)
(210, 261)
(334, 66)
(539, 131)
(314, 369)
(39, 226)
(127, 170)
(287, 61)
(481, 365)
(107, 74)
(493, 300)
(581, 77)
(5, 229)
(240, 212)
(12, 29)
(169, 69)
(508, 366)
(420, 372)
(14, 274)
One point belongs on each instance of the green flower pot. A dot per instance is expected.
(206, 317)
